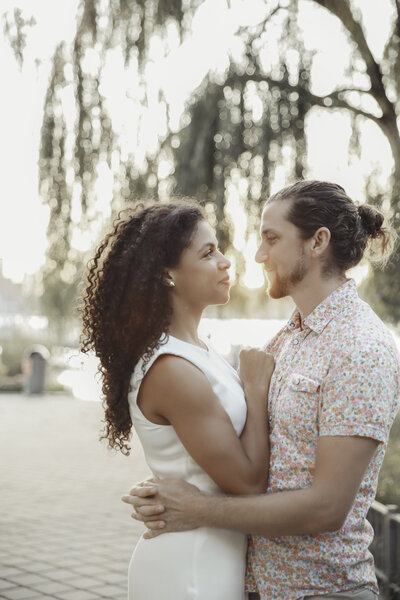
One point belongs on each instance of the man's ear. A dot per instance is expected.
(320, 241)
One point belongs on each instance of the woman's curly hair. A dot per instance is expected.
(126, 304)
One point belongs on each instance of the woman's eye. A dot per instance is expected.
(209, 253)
(271, 239)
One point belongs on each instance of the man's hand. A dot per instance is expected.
(165, 505)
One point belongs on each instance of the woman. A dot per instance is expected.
(148, 285)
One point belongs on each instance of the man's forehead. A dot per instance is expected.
(274, 216)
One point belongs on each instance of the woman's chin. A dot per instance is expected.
(221, 299)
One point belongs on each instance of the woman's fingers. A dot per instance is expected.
(255, 366)
(144, 490)
(152, 533)
(148, 511)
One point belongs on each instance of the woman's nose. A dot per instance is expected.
(225, 263)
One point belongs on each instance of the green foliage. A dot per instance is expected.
(15, 28)
(227, 139)
(239, 125)
(71, 152)
(14, 348)
(382, 290)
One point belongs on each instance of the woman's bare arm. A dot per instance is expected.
(179, 393)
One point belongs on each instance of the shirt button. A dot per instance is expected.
(292, 324)
(296, 342)
(279, 378)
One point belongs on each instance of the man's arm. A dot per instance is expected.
(341, 462)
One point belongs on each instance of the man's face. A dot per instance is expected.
(281, 250)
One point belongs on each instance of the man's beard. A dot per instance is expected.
(282, 286)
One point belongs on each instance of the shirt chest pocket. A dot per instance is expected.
(299, 405)
(302, 383)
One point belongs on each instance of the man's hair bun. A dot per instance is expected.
(371, 220)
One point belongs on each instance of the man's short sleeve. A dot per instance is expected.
(359, 394)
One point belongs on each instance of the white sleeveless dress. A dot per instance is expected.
(205, 563)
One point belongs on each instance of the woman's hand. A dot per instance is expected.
(255, 370)
(165, 505)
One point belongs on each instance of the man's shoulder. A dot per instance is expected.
(359, 329)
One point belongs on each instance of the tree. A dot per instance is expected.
(382, 82)
(383, 287)
(237, 128)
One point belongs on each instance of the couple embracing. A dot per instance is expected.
(278, 462)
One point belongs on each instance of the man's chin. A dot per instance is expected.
(276, 293)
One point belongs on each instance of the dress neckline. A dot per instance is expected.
(206, 349)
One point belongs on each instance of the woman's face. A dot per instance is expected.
(201, 278)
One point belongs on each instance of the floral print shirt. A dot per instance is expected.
(337, 373)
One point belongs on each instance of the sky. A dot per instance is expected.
(23, 215)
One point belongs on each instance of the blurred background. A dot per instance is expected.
(105, 103)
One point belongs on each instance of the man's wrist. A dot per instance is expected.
(202, 509)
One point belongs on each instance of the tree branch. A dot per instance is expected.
(342, 11)
(261, 26)
(351, 89)
(397, 3)
(333, 101)
(330, 101)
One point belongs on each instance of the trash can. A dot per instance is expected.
(34, 369)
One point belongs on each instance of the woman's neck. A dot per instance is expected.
(184, 325)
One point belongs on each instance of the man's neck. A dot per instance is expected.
(312, 291)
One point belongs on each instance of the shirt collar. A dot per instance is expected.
(328, 309)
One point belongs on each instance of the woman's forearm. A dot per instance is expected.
(254, 437)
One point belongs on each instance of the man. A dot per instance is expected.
(333, 397)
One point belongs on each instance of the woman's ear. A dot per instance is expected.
(167, 280)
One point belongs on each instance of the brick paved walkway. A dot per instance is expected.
(64, 532)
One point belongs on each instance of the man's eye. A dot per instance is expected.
(208, 253)
(271, 239)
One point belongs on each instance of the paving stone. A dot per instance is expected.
(110, 577)
(51, 587)
(89, 570)
(27, 579)
(36, 567)
(82, 582)
(79, 595)
(9, 571)
(18, 593)
(59, 574)
(110, 591)
(39, 597)
(14, 560)
(61, 539)
(70, 562)
(5, 584)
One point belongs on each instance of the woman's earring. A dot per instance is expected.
(171, 283)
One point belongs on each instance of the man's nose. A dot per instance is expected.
(261, 255)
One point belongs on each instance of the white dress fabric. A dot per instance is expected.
(205, 563)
